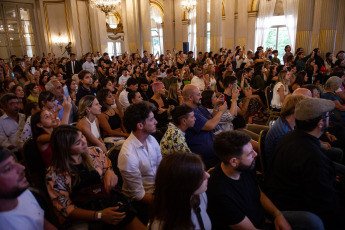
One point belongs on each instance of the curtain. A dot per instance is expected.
(156, 22)
(291, 15)
(266, 9)
(192, 30)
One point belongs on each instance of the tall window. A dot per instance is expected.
(208, 39)
(114, 48)
(278, 36)
(156, 29)
(16, 31)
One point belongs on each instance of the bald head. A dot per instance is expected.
(191, 95)
(303, 91)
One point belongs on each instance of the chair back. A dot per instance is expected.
(261, 161)
(269, 95)
(113, 155)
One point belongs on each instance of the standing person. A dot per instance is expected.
(140, 156)
(89, 65)
(85, 85)
(287, 53)
(73, 66)
(180, 201)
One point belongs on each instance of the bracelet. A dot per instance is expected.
(276, 214)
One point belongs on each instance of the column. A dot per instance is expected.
(251, 31)
(316, 24)
(241, 24)
(132, 26)
(168, 25)
(98, 30)
(216, 25)
(180, 29)
(305, 24)
(340, 26)
(145, 21)
(125, 46)
(201, 26)
(328, 27)
(228, 24)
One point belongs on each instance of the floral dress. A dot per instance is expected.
(59, 185)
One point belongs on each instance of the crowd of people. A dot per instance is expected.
(171, 141)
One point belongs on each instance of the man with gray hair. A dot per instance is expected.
(302, 177)
(55, 87)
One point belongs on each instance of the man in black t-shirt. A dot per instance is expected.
(234, 198)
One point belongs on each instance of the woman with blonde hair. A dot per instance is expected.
(281, 89)
(89, 109)
(174, 95)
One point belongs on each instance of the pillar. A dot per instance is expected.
(201, 26)
(340, 27)
(228, 25)
(145, 21)
(316, 24)
(216, 25)
(168, 25)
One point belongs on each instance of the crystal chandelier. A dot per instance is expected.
(188, 5)
(105, 5)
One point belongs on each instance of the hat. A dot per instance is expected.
(311, 108)
(4, 154)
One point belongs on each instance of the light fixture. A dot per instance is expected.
(188, 5)
(105, 5)
(60, 41)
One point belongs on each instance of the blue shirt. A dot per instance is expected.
(201, 141)
(274, 134)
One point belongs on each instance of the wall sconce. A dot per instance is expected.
(60, 41)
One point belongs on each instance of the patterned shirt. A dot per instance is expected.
(59, 185)
(173, 141)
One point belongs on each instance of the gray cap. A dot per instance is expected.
(311, 108)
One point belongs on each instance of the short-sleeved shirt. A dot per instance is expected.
(173, 141)
(230, 201)
(201, 141)
(337, 116)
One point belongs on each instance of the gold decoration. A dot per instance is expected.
(118, 29)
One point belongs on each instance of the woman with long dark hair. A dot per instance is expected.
(80, 183)
(181, 183)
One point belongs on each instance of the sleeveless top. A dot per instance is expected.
(94, 129)
(114, 122)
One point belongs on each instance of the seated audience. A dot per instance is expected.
(163, 109)
(19, 92)
(30, 109)
(134, 97)
(89, 109)
(132, 85)
(302, 177)
(77, 171)
(199, 81)
(32, 92)
(180, 200)
(301, 79)
(235, 199)
(110, 119)
(281, 89)
(140, 156)
(11, 122)
(19, 208)
(174, 95)
(174, 138)
(200, 137)
(85, 85)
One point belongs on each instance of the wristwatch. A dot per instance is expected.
(99, 215)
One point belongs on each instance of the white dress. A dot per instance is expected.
(276, 103)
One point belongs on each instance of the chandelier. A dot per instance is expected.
(105, 5)
(188, 5)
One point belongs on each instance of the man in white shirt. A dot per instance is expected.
(132, 85)
(88, 65)
(199, 81)
(19, 208)
(140, 156)
(124, 77)
(11, 123)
